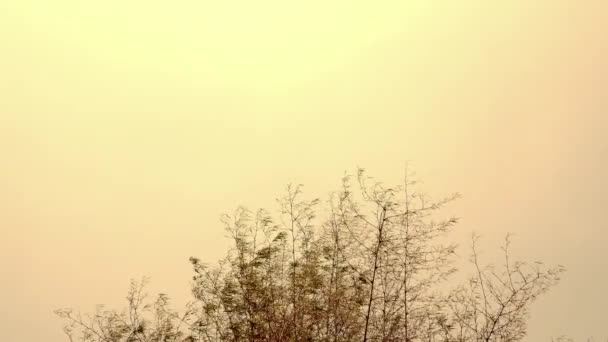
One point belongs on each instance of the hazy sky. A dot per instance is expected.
(128, 127)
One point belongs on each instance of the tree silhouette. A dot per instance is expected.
(368, 264)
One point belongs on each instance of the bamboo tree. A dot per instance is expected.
(370, 267)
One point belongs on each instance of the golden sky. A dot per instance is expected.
(127, 127)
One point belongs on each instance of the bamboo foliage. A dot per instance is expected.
(368, 264)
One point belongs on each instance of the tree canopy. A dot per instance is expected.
(369, 263)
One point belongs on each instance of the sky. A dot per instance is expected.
(128, 127)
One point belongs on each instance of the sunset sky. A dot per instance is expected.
(128, 127)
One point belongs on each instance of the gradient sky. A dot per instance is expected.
(128, 127)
